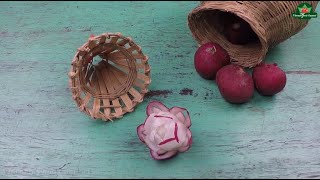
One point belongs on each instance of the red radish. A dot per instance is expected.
(155, 107)
(238, 31)
(235, 85)
(269, 79)
(165, 131)
(209, 58)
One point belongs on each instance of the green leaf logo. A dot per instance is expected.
(304, 11)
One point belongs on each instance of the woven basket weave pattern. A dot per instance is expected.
(272, 21)
(116, 84)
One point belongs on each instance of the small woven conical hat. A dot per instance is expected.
(116, 83)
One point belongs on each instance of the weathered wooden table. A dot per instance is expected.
(43, 134)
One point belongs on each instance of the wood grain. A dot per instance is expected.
(44, 135)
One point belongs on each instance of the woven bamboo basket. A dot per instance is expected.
(271, 21)
(109, 76)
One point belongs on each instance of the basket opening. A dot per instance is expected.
(110, 74)
(235, 29)
(213, 25)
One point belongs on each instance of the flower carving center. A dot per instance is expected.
(174, 138)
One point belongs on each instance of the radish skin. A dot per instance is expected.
(235, 85)
(209, 58)
(269, 79)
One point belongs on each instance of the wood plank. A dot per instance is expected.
(44, 135)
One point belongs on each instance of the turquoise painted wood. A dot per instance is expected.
(44, 135)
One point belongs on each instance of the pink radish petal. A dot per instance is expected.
(156, 106)
(187, 147)
(140, 133)
(163, 116)
(164, 156)
(145, 121)
(182, 114)
(174, 138)
(166, 141)
(184, 148)
(161, 152)
(190, 137)
(190, 141)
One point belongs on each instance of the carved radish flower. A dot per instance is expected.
(165, 131)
